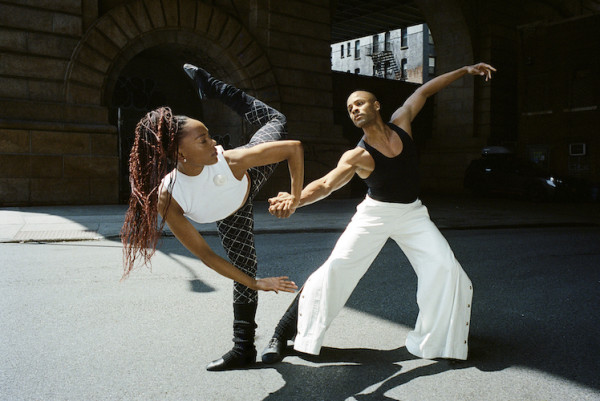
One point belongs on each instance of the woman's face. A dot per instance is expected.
(196, 146)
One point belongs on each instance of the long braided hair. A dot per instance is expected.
(153, 156)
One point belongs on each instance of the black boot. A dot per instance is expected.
(243, 353)
(210, 87)
(285, 330)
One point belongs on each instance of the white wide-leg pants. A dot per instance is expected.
(444, 290)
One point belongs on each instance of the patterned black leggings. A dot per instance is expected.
(237, 231)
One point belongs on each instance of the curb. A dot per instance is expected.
(90, 235)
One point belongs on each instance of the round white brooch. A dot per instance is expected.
(219, 180)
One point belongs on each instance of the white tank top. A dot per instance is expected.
(210, 196)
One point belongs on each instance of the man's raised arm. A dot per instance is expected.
(405, 114)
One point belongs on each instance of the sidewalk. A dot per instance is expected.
(75, 223)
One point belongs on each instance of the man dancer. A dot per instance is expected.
(386, 158)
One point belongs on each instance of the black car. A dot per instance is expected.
(499, 171)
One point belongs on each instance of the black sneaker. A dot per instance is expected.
(274, 351)
(200, 78)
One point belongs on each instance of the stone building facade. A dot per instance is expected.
(75, 75)
(64, 63)
(559, 93)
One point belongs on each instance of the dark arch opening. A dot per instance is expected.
(154, 78)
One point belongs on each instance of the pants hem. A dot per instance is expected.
(306, 346)
(433, 354)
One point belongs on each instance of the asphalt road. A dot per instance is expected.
(70, 331)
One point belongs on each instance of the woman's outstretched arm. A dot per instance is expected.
(240, 160)
(187, 234)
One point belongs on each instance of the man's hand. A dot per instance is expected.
(283, 205)
(276, 284)
(482, 69)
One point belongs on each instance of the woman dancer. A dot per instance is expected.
(177, 171)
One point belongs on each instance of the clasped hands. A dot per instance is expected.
(283, 205)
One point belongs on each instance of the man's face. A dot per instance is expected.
(362, 108)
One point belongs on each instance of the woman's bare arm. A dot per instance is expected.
(273, 152)
(187, 234)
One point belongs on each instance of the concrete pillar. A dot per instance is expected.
(455, 138)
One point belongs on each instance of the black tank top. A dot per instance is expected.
(394, 179)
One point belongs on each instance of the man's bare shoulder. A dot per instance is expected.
(358, 158)
(354, 155)
(402, 118)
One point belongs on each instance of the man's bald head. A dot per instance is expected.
(363, 108)
(363, 93)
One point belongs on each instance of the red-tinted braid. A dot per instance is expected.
(152, 157)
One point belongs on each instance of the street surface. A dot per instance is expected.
(70, 331)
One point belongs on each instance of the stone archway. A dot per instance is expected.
(131, 28)
(173, 33)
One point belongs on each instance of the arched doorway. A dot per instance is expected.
(130, 61)
(155, 78)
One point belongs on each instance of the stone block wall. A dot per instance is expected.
(37, 40)
(455, 137)
(559, 103)
(309, 84)
(50, 152)
(299, 50)
(61, 59)
(54, 167)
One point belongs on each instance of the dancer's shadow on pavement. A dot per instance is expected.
(367, 374)
(195, 283)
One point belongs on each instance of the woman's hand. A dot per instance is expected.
(276, 284)
(283, 205)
